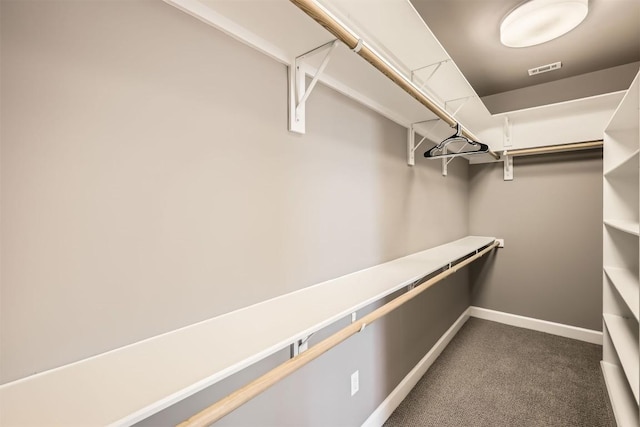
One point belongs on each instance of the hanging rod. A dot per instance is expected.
(348, 37)
(236, 399)
(575, 146)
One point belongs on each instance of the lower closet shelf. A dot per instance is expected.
(624, 334)
(127, 385)
(624, 407)
(627, 285)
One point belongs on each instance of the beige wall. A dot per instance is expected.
(148, 182)
(550, 216)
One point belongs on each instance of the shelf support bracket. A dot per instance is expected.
(411, 140)
(457, 110)
(298, 91)
(508, 168)
(298, 346)
(507, 132)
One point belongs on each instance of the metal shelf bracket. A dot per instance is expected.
(445, 162)
(425, 81)
(298, 91)
(507, 129)
(299, 346)
(508, 168)
(411, 140)
(462, 104)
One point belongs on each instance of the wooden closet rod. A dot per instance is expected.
(586, 145)
(233, 401)
(315, 11)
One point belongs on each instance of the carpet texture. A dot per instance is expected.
(498, 375)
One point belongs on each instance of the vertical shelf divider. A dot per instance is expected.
(621, 258)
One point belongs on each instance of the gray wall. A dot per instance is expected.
(550, 216)
(148, 182)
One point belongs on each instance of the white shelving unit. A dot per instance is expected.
(126, 385)
(625, 282)
(621, 258)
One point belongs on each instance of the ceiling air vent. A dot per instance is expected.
(545, 68)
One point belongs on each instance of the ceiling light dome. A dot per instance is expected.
(538, 21)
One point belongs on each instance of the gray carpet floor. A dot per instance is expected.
(497, 375)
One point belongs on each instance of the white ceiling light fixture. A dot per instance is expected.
(538, 21)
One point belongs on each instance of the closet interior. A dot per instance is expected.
(218, 212)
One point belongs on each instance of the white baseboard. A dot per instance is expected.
(581, 334)
(386, 408)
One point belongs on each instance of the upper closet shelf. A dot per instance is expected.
(626, 226)
(627, 286)
(126, 385)
(630, 166)
(414, 53)
(431, 89)
(288, 34)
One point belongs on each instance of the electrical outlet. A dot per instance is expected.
(355, 382)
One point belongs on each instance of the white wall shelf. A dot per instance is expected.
(126, 385)
(630, 227)
(624, 334)
(624, 407)
(627, 167)
(621, 257)
(416, 53)
(626, 283)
